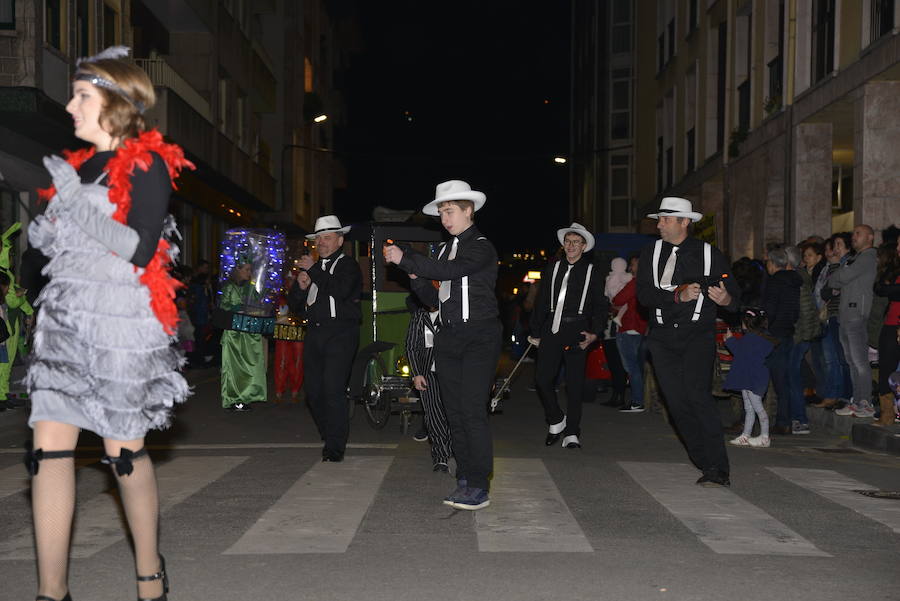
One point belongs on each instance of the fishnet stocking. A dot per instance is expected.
(140, 498)
(53, 505)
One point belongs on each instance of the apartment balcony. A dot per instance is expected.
(162, 75)
(185, 117)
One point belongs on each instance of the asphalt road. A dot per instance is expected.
(249, 512)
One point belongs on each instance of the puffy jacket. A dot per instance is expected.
(808, 326)
(782, 302)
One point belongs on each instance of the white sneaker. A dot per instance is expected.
(759, 441)
(864, 410)
(849, 409)
(740, 441)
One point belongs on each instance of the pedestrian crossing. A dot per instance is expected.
(324, 510)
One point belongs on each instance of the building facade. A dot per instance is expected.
(775, 117)
(236, 82)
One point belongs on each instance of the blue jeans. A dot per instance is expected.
(836, 372)
(795, 382)
(631, 349)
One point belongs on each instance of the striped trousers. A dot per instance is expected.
(435, 420)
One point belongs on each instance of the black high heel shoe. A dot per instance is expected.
(68, 597)
(160, 575)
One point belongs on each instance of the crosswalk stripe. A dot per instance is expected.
(234, 446)
(839, 488)
(98, 523)
(15, 478)
(320, 512)
(527, 513)
(721, 519)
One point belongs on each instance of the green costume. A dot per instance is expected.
(243, 354)
(18, 306)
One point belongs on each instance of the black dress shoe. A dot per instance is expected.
(331, 456)
(551, 439)
(714, 478)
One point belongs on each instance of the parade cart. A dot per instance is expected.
(380, 380)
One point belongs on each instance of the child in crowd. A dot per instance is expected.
(750, 375)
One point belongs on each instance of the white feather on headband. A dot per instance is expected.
(112, 52)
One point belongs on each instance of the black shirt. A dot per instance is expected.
(344, 285)
(476, 259)
(150, 192)
(596, 305)
(688, 270)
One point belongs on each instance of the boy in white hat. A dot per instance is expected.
(467, 346)
(683, 282)
(570, 311)
(327, 293)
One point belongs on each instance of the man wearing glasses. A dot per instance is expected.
(569, 314)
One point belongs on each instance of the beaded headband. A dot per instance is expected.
(113, 52)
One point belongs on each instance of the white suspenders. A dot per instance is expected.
(584, 290)
(464, 285)
(707, 265)
(331, 298)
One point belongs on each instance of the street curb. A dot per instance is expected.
(862, 433)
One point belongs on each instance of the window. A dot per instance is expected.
(223, 106)
(7, 14)
(82, 29)
(660, 52)
(671, 33)
(621, 27)
(620, 190)
(720, 85)
(307, 75)
(693, 16)
(111, 35)
(881, 18)
(620, 105)
(690, 117)
(823, 38)
(690, 147)
(53, 20)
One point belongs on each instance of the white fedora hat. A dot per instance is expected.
(577, 228)
(454, 189)
(328, 223)
(673, 206)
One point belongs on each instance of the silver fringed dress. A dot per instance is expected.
(101, 359)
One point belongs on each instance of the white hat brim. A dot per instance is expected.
(477, 198)
(588, 237)
(695, 217)
(341, 231)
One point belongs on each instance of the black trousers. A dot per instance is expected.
(552, 353)
(466, 363)
(683, 360)
(328, 358)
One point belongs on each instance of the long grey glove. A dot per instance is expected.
(42, 234)
(116, 236)
(65, 178)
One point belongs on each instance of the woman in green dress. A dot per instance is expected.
(243, 354)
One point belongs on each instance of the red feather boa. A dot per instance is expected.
(135, 152)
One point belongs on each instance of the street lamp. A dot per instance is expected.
(559, 160)
(320, 118)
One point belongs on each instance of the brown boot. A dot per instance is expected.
(887, 410)
(826, 403)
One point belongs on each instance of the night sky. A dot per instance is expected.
(474, 78)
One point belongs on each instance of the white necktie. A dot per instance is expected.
(560, 301)
(665, 281)
(313, 289)
(444, 291)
